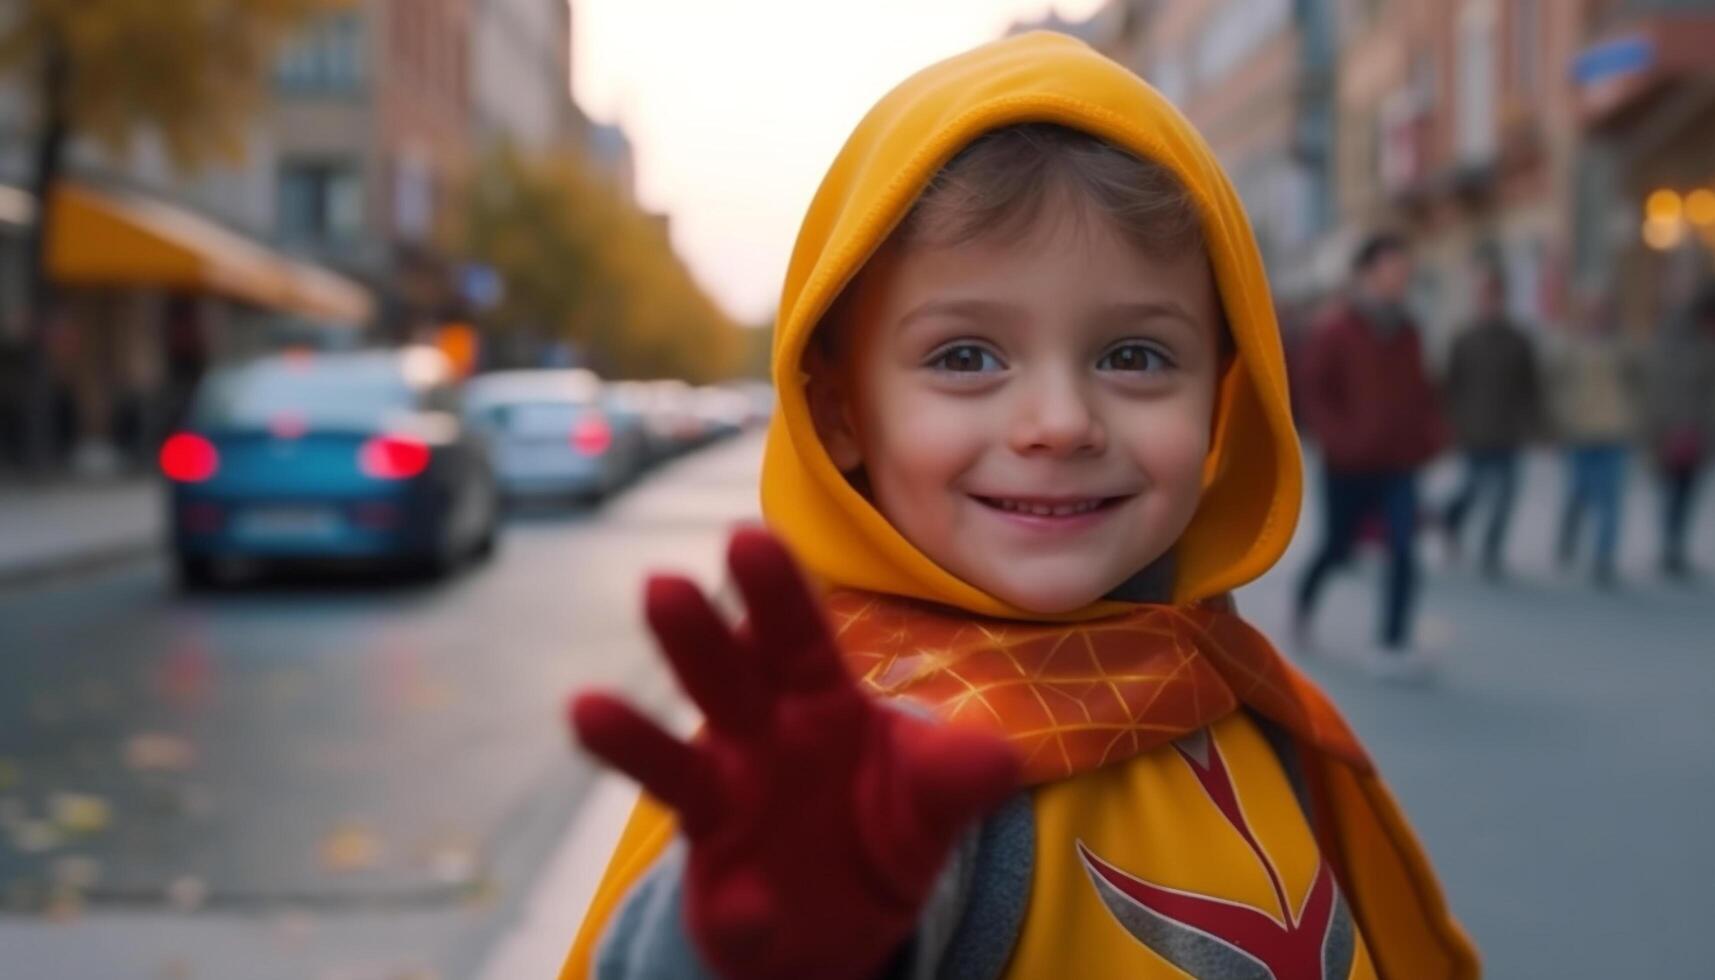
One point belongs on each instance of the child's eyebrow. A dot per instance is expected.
(1135, 311)
(970, 309)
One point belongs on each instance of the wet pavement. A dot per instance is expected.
(295, 756)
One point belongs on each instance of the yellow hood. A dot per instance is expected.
(1252, 478)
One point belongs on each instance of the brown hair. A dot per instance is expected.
(998, 185)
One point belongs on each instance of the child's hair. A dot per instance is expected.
(999, 183)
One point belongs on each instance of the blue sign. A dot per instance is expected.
(481, 285)
(1610, 59)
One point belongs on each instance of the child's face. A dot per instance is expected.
(1033, 414)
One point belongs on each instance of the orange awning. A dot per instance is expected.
(105, 238)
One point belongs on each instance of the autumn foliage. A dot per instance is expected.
(190, 70)
(582, 262)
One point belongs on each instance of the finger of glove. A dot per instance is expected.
(672, 771)
(786, 624)
(716, 671)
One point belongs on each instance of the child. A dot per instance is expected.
(1033, 428)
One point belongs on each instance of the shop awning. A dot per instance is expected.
(108, 238)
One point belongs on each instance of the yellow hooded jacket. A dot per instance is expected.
(1215, 831)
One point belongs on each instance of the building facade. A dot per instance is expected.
(1565, 140)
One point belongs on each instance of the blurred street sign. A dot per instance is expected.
(481, 285)
(1608, 59)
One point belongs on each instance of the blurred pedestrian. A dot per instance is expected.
(1492, 391)
(1681, 375)
(1592, 377)
(1376, 415)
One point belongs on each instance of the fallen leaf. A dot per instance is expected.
(159, 752)
(79, 813)
(350, 847)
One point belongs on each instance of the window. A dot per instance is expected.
(328, 59)
(1476, 82)
(320, 202)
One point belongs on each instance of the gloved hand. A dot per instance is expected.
(817, 819)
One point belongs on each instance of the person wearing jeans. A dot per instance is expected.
(1375, 414)
(1348, 499)
(1593, 382)
(1491, 389)
(1596, 479)
(1682, 421)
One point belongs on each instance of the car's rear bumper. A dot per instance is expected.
(393, 525)
(572, 478)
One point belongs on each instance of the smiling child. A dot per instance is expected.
(1033, 428)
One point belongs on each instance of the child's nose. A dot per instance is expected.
(1056, 418)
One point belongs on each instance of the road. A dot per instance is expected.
(352, 782)
(299, 779)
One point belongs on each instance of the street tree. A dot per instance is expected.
(582, 262)
(189, 71)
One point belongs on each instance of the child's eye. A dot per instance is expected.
(965, 359)
(1134, 357)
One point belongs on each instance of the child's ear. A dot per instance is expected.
(830, 409)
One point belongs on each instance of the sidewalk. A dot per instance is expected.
(64, 527)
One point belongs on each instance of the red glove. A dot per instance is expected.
(817, 819)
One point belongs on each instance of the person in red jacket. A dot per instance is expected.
(1373, 410)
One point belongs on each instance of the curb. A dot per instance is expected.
(36, 571)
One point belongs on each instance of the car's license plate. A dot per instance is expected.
(288, 522)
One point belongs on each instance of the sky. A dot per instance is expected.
(735, 108)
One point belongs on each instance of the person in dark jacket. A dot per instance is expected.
(1371, 406)
(1493, 395)
(1681, 421)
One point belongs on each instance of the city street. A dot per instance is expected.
(300, 779)
(357, 781)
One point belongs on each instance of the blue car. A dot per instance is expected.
(304, 455)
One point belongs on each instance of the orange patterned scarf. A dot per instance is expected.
(1072, 697)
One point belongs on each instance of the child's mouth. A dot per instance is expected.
(1055, 514)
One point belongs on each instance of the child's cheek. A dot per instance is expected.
(1170, 449)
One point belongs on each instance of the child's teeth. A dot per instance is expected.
(1047, 510)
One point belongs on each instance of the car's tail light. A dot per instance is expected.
(393, 458)
(189, 458)
(592, 436)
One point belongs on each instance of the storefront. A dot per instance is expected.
(150, 295)
(1646, 194)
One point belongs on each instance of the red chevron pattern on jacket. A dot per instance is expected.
(1209, 936)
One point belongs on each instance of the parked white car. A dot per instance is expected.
(556, 433)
